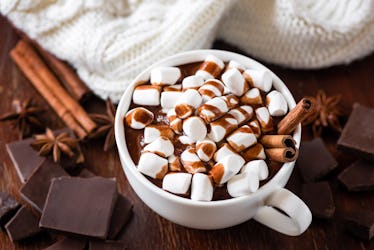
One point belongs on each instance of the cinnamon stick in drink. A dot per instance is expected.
(54, 86)
(278, 141)
(304, 108)
(282, 154)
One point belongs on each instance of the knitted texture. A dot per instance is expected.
(109, 42)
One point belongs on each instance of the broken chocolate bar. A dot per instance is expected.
(121, 214)
(315, 161)
(357, 135)
(35, 190)
(319, 199)
(80, 206)
(68, 244)
(8, 207)
(24, 224)
(106, 245)
(361, 224)
(358, 177)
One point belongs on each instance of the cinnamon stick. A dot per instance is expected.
(282, 154)
(55, 103)
(301, 111)
(278, 141)
(54, 86)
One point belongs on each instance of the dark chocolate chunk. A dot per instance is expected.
(315, 161)
(358, 177)
(319, 199)
(358, 133)
(80, 206)
(24, 224)
(68, 244)
(35, 190)
(85, 173)
(106, 245)
(361, 224)
(121, 214)
(8, 207)
(25, 159)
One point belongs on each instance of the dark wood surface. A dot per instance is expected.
(147, 230)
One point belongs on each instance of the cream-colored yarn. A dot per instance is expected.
(111, 41)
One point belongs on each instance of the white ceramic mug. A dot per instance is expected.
(223, 213)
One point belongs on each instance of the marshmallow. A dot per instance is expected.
(276, 103)
(213, 109)
(191, 162)
(170, 98)
(165, 75)
(265, 119)
(226, 150)
(205, 149)
(152, 165)
(222, 127)
(152, 132)
(161, 146)
(231, 100)
(138, 118)
(210, 68)
(255, 126)
(225, 169)
(175, 123)
(242, 114)
(201, 187)
(175, 87)
(258, 167)
(188, 102)
(254, 152)
(192, 82)
(194, 127)
(241, 138)
(211, 88)
(261, 79)
(174, 163)
(147, 95)
(177, 183)
(184, 139)
(235, 65)
(242, 184)
(235, 81)
(252, 97)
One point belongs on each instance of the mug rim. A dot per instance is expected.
(184, 58)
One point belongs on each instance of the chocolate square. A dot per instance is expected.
(80, 206)
(106, 245)
(25, 159)
(315, 161)
(361, 224)
(68, 244)
(358, 177)
(35, 190)
(8, 207)
(358, 133)
(319, 199)
(121, 213)
(24, 224)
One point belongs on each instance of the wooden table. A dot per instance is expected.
(147, 230)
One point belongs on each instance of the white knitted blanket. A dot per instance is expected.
(110, 42)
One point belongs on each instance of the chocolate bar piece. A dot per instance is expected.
(121, 214)
(24, 224)
(357, 135)
(315, 161)
(106, 245)
(8, 207)
(359, 176)
(361, 224)
(68, 244)
(319, 199)
(35, 190)
(25, 159)
(80, 206)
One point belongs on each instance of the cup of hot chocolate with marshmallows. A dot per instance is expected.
(198, 135)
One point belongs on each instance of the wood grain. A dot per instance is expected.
(147, 230)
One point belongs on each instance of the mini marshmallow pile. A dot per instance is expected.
(220, 121)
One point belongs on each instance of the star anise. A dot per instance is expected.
(105, 124)
(25, 117)
(49, 143)
(326, 115)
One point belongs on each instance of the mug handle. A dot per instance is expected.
(295, 219)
